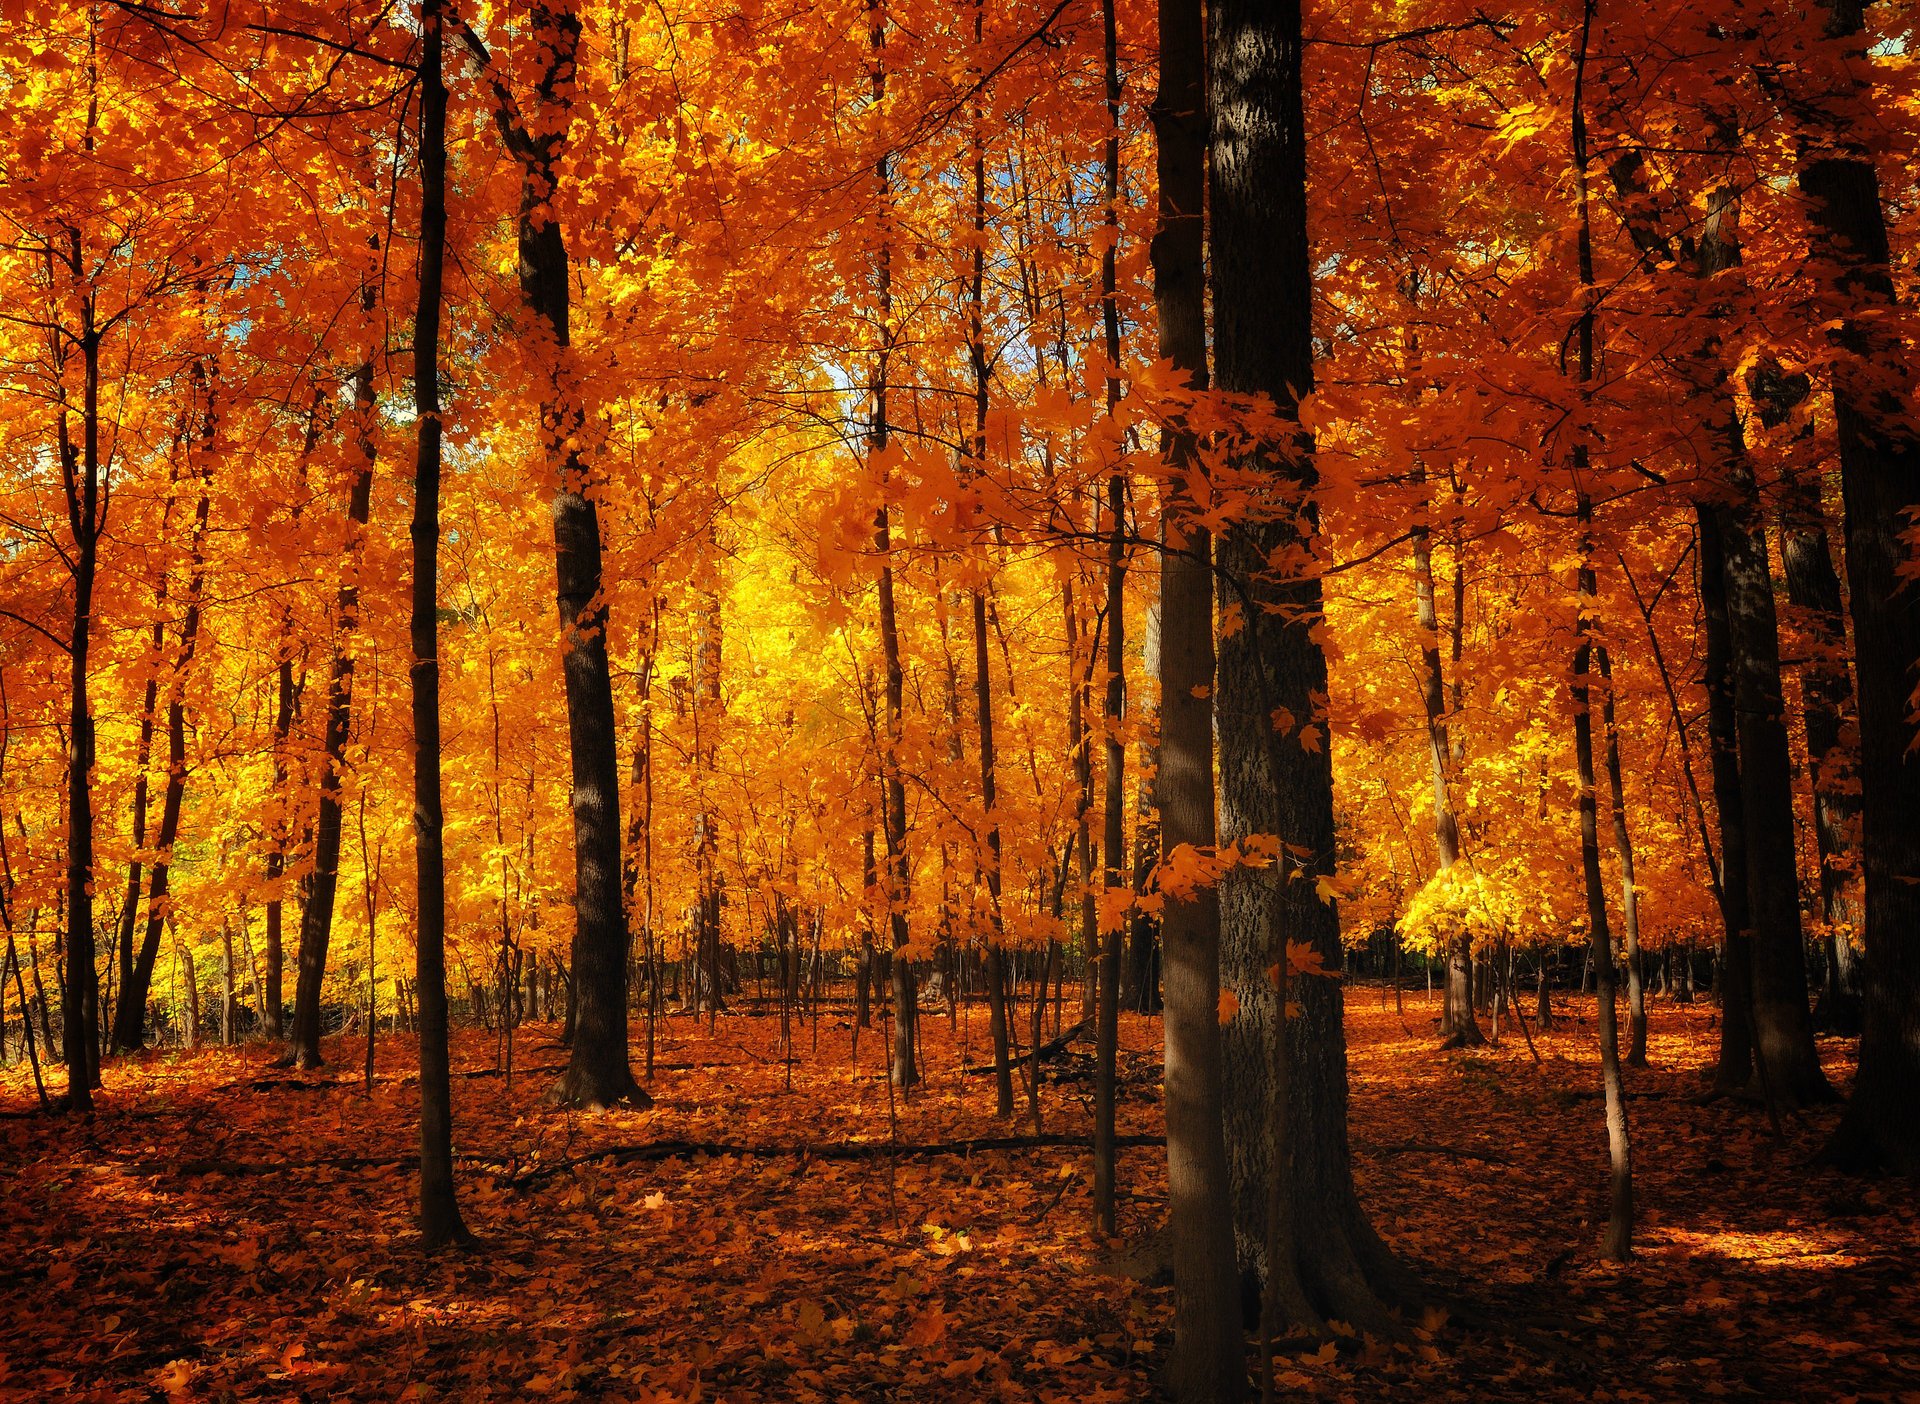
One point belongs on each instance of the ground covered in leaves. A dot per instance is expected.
(224, 1231)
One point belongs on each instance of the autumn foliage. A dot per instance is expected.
(903, 699)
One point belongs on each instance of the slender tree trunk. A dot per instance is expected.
(1629, 893)
(1458, 1028)
(893, 784)
(129, 1022)
(1207, 1363)
(1617, 1246)
(440, 1220)
(81, 473)
(598, 1073)
(1113, 841)
(316, 916)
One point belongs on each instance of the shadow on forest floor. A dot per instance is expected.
(211, 1235)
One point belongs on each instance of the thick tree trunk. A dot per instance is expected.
(1734, 1067)
(1782, 1020)
(1275, 758)
(440, 1220)
(1207, 1364)
(1826, 710)
(1880, 483)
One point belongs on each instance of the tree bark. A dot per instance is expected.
(1880, 484)
(1113, 839)
(893, 785)
(598, 1073)
(1207, 1363)
(440, 1220)
(81, 474)
(130, 1018)
(1629, 892)
(1827, 717)
(1275, 757)
(1617, 1245)
(316, 916)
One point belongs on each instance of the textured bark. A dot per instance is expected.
(80, 471)
(1782, 1020)
(1880, 484)
(1207, 1362)
(1275, 759)
(1828, 720)
(440, 1220)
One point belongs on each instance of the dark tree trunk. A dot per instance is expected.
(598, 1072)
(1826, 708)
(892, 784)
(1782, 1021)
(1734, 1067)
(440, 1220)
(316, 917)
(1207, 1363)
(1113, 841)
(129, 1020)
(1275, 757)
(1617, 1246)
(1880, 483)
(81, 474)
(1629, 892)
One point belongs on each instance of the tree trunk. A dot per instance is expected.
(129, 1020)
(1275, 757)
(81, 474)
(1880, 483)
(440, 1220)
(1113, 840)
(1207, 1362)
(893, 805)
(598, 1073)
(1617, 1246)
(1826, 709)
(316, 916)
(1782, 1021)
(1629, 893)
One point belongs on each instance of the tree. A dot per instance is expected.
(598, 1072)
(1207, 1363)
(1275, 762)
(440, 1221)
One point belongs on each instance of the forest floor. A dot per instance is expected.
(223, 1231)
